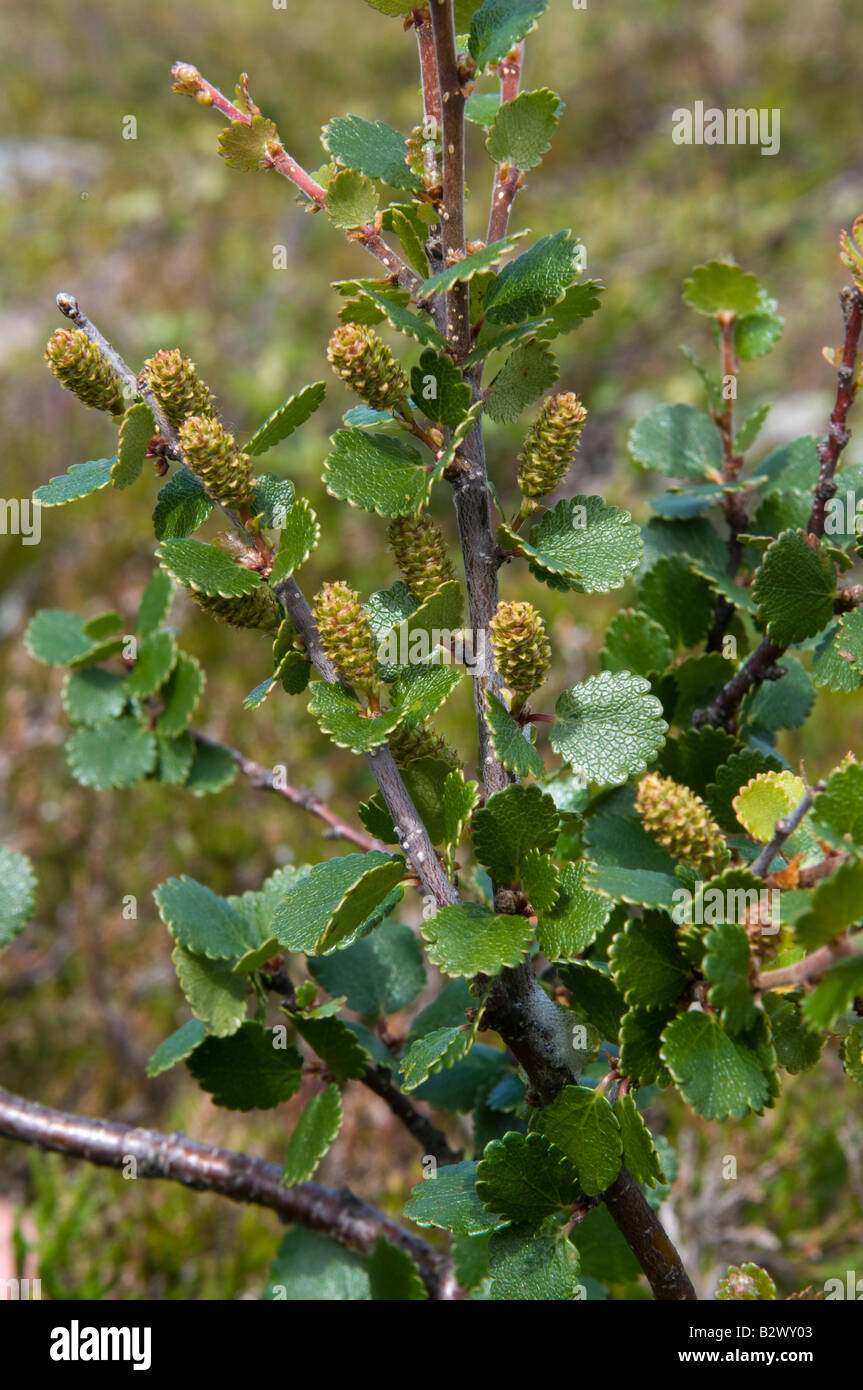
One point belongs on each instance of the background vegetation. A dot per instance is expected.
(164, 245)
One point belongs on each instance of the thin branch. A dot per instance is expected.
(785, 826)
(647, 1239)
(265, 780)
(333, 1212)
(452, 207)
(830, 449)
(507, 179)
(431, 1139)
(810, 968)
(188, 81)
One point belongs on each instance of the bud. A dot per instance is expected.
(209, 450)
(259, 609)
(176, 385)
(364, 361)
(80, 367)
(346, 634)
(680, 821)
(521, 647)
(417, 741)
(420, 552)
(550, 445)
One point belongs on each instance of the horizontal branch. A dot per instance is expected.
(810, 968)
(333, 1212)
(264, 779)
(188, 81)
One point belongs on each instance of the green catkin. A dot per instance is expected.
(259, 609)
(418, 741)
(420, 551)
(366, 363)
(79, 366)
(522, 649)
(210, 452)
(176, 385)
(347, 636)
(680, 821)
(550, 445)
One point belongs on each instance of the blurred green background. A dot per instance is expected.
(163, 245)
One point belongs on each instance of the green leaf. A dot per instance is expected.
(449, 1201)
(481, 108)
(510, 745)
(727, 965)
(459, 799)
(758, 333)
(136, 431)
(733, 775)
(595, 996)
(300, 535)
(851, 1053)
(438, 389)
(17, 893)
(837, 903)
(534, 282)
(835, 993)
(647, 963)
(578, 304)
(245, 146)
(352, 200)
(177, 1047)
(247, 1071)
(315, 1131)
(721, 288)
(412, 234)
(464, 1082)
(694, 756)
(375, 473)
(216, 995)
(201, 921)
(500, 24)
(719, 1076)
(640, 1036)
(380, 974)
(338, 714)
(630, 865)
(335, 899)
(525, 1179)
(677, 440)
(79, 480)
(335, 1044)
(840, 806)
(213, 769)
(154, 605)
(116, 753)
(395, 8)
(635, 642)
(793, 466)
(577, 917)
(309, 1268)
(609, 727)
(288, 417)
(530, 1264)
(468, 266)
(180, 696)
(595, 546)
(372, 147)
(393, 1275)
(156, 658)
(582, 1124)
(794, 588)
(833, 664)
(523, 129)
(469, 939)
(511, 822)
(679, 600)
(198, 565)
(446, 1011)
(442, 612)
(56, 638)
(523, 378)
(94, 696)
(765, 800)
(410, 324)
(540, 880)
(639, 1150)
(434, 1052)
(274, 497)
(181, 507)
(176, 756)
(785, 703)
(798, 1047)
(750, 429)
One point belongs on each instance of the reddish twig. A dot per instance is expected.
(335, 1213)
(507, 180)
(830, 449)
(810, 968)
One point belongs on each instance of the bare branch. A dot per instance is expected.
(831, 448)
(785, 826)
(811, 967)
(332, 1212)
(507, 179)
